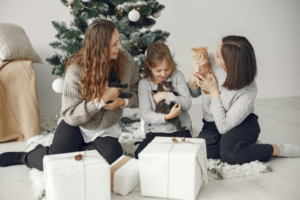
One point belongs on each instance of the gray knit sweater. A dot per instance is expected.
(232, 108)
(76, 111)
(155, 122)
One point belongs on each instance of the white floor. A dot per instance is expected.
(279, 120)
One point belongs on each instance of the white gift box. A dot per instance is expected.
(173, 170)
(87, 178)
(124, 175)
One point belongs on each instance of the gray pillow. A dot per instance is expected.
(14, 44)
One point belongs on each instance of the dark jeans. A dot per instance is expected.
(150, 136)
(69, 139)
(237, 146)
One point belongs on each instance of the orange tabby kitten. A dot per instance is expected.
(200, 55)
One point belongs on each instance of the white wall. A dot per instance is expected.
(272, 26)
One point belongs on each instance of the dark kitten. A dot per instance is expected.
(114, 81)
(164, 108)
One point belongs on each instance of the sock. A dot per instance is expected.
(11, 158)
(288, 150)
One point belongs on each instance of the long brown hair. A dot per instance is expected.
(240, 62)
(94, 59)
(156, 53)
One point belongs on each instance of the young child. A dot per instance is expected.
(160, 67)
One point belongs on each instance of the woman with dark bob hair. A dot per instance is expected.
(90, 109)
(230, 127)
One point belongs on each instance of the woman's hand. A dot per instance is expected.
(175, 112)
(159, 96)
(116, 103)
(110, 93)
(204, 69)
(210, 86)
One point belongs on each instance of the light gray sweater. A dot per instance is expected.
(232, 108)
(155, 122)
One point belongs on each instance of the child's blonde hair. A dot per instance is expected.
(156, 54)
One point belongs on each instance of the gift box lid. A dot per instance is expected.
(67, 160)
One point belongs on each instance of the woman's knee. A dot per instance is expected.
(66, 139)
(109, 148)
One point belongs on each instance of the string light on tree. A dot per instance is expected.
(121, 11)
(134, 15)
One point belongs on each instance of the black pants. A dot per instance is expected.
(69, 139)
(150, 136)
(237, 146)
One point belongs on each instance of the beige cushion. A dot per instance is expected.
(14, 44)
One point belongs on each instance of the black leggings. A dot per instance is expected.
(69, 139)
(237, 146)
(150, 136)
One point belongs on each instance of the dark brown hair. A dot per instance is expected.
(156, 53)
(240, 62)
(94, 59)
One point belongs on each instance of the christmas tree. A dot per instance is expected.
(130, 16)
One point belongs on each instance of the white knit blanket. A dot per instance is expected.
(217, 170)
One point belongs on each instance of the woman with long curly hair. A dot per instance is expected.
(90, 109)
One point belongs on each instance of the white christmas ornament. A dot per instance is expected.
(58, 85)
(134, 15)
(156, 15)
(85, 0)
